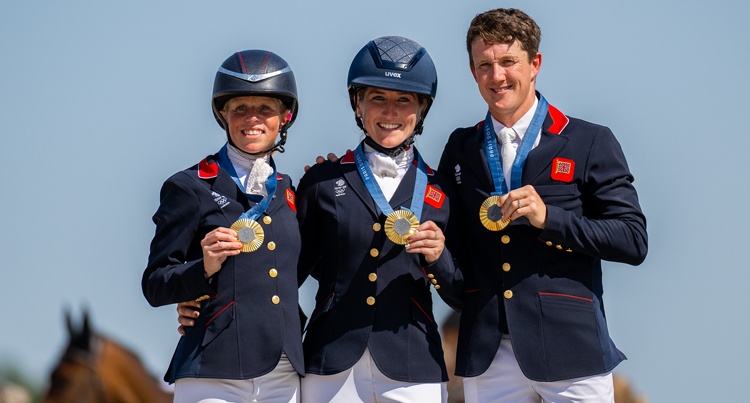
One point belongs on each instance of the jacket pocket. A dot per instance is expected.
(424, 320)
(217, 322)
(570, 332)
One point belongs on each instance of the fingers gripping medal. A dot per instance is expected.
(250, 233)
(399, 224)
(490, 214)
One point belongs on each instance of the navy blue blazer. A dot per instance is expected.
(252, 313)
(371, 293)
(544, 285)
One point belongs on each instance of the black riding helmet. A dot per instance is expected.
(398, 64)
(260, 73)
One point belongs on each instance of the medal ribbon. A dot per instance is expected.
(420, 186)
(493, 152)
(258, 209)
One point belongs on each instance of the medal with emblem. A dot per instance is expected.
(399, 225)
(490, 214)
(250, 233)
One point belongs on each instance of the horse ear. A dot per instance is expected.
(68, 321)
(86, 330)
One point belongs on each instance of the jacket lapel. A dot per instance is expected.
(356, 184)
(540, 158)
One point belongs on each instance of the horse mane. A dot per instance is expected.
(96, 368)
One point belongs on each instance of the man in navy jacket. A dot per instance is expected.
(531, 235)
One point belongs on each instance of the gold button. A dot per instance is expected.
(433, 281)
(271, 245)
(430, 275)
(275, 299)
(505, 239)
(508, 294)
(437, 287)
(372, 277)
(273, 273)
(376, 227)
(374, 252)
(370, 301)
(559, 247)
(568, 250)
(548, 243)
(506, 266)
(267, 219)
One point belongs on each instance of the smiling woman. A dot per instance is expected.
(216, 220)
(372, 235)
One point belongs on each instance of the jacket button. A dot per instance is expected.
(430, 275)
(558, 247)
(548, 243)
(273, 273)
(376, 227)
(267, 219)
(275, 299)
(568, 250)
(433, 281)
(370, 301)
(508, 294)
(372, 277)
(437, 286)
(506, 267)
(505, 239)
(271, 245)
(374, 252)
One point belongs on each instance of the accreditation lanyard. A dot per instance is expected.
(260, 207)
(493, 153)
(417, 199)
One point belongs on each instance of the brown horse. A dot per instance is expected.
(96, 369)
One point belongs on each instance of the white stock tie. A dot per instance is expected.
(508, 152)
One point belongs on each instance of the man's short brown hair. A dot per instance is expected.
(505, 26)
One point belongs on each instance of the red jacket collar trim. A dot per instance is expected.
(208, 169)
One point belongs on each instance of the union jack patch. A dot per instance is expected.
(434, 197)
(562, 169)
(290, 200)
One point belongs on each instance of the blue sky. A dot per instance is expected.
(100, 102)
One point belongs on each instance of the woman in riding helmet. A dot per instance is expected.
(372, 236)
(227, 238)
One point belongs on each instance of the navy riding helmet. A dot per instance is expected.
(398, 64)
(255, 73)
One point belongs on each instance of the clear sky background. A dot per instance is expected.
(101, 101)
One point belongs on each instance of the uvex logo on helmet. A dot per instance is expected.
(392, 74)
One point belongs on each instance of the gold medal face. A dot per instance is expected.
(490, 214)
(399, 225)
(250, 233)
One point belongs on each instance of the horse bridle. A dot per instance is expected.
(88, 359)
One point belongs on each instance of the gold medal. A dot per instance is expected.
(490, 215)
(399, 225)
(250, 233)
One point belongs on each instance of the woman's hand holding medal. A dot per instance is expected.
(524, 202)
(427, 240)
(217, 246)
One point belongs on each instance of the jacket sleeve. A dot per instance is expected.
(173, 273)
(308, 224)
(612, 226)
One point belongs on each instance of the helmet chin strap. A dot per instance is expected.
(279, 146)
(391, 152)
(395, 151)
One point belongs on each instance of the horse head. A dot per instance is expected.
(96, 369)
